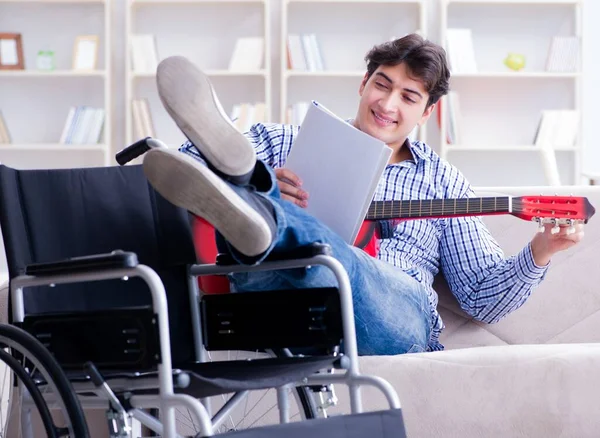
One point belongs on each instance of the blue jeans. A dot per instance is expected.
(391, 308)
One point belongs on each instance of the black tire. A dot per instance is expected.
(36, 395)
(305, 395)
(20, 341)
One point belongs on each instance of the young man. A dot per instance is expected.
(238, 183)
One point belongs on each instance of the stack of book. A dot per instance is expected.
(557, 128)
(83, 126)
(453, 118)
(143, 125)
(304, 53)
(244, 115)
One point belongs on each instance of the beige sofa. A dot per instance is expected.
(536, 373)
(533, 374)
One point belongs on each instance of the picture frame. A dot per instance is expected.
(85, 52)
(11, 52)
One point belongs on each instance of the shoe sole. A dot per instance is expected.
(188, 184)
(189, 98)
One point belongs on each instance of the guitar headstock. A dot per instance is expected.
(555, 210)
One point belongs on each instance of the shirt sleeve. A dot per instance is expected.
(272, 142)
(487, 285)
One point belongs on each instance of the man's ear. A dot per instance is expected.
(426, 114)
(363, 84)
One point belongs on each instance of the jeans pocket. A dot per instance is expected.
(416, 348)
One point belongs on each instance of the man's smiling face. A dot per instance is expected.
(391, 104)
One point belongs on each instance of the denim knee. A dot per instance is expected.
(392, 317)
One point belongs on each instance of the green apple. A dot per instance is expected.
(515, 61)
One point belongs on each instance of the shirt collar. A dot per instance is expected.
(416, 149)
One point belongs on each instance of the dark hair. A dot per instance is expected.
(425, 60)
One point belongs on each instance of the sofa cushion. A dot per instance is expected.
(564, 308)
(503, 391)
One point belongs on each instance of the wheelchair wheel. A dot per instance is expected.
(40, 382)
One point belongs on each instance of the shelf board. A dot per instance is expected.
(52, 73)
(516, 75)
(511, 148)
(210, 73)
(523, 2)
(174, 2)
(356, 1)
(51, 147)
(54, 1)
(326, 73)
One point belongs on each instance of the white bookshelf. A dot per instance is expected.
(204, 31)
(343, 38)
(35, 104)
(500, 109)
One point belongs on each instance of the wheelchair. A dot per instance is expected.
(104, 273)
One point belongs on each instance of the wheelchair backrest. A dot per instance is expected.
(50, 215)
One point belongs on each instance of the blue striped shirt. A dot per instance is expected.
(487, 285)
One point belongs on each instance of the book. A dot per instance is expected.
(340, 167)
(563, 55)
(461, 53)
(248, 54)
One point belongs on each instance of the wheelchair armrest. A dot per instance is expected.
(301, 252)
(99, 262)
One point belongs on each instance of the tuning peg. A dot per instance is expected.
(571, 225)
(555, 229)
(541, 227)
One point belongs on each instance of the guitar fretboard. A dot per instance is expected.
(379, 210)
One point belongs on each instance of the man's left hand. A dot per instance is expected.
(545, 245)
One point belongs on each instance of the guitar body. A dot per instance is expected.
(368, 238)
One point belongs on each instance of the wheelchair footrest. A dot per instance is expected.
(124, 338)
(295, 318)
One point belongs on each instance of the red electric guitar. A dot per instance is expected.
(555, 210)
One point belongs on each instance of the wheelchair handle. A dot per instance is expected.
(133, 151)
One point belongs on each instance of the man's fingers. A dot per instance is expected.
(291, 190)
(293, 199)
(290, 187)
(289, 176)
(294, 194)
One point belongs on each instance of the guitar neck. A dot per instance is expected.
(436, 208)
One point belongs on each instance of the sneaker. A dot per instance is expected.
(187, 183)
(189, 98)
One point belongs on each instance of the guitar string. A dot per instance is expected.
(387, 208)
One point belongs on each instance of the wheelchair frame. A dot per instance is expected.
(167, 399)
(98, 394)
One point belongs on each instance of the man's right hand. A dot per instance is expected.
(290, 187)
